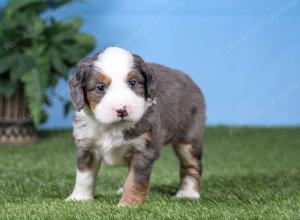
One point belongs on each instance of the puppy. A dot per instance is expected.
(126, 111)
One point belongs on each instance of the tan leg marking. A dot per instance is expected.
(134, 193)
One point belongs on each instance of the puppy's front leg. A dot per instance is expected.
(137, 182)
(87, 168)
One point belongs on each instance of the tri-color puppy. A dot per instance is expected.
(127, 110)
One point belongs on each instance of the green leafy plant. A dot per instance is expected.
(37, 50)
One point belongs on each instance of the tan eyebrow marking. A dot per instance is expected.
(102, 78)
(130, 75)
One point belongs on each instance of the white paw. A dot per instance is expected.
(78, 197)
(120, 190)
(120, 205)
(187, 194)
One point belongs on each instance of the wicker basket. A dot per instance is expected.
(16, 125)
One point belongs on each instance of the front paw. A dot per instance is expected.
(79, 197)
(130, 203)
(187, 194)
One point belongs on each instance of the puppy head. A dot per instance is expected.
(115, 84)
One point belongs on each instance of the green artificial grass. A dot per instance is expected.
(249, 173)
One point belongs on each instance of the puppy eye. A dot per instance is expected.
(100, 87)
(132, 83)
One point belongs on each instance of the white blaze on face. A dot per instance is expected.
(116, 63)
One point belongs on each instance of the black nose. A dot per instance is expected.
(122, 112)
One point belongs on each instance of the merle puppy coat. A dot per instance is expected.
(126, 111)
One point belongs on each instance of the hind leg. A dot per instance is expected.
(190, 157)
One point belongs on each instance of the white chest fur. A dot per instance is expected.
(108, 144)
(112, 147)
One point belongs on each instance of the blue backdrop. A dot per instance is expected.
(243, 54)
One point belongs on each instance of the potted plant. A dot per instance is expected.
(36, 51)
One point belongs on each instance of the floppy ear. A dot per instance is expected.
(149, 76)
(76, 84)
